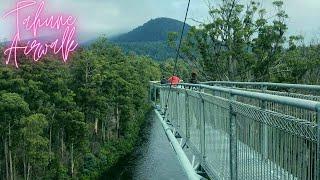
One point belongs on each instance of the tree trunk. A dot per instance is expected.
(118, 122)
(29, 170)
(62, 145)
(231, 69)
(50, 141)
(10, 163)
(72, 161)
(24, 167)
(14, 167)
(50, 136)
(103, 131)
(6, 157)
(108, 135)
(96, 126)
(87, 74)
(24, 160)
(10, 154)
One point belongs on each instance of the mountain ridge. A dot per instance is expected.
(153, 30)
(150, 39)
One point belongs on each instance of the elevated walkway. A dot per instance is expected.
(245, 131)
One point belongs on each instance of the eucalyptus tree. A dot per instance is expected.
(239, 42)
(35, 145)
(12, 109)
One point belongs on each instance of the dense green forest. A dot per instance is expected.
(74, 120)
(157, 50)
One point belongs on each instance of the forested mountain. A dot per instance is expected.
(151, 38)
(152, 31)
(74, 120)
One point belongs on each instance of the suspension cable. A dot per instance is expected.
(177, 56)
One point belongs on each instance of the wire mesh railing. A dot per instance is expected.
(301, 91)
(241, 134)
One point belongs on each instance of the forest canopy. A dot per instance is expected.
(72, 120)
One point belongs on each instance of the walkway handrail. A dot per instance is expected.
(300, 103)
(266, 84)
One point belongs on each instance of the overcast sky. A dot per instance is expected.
(115, 16)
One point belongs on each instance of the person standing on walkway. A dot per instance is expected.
(174, 80)
(193, 79)
(163, 80)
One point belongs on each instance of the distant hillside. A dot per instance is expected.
(157, 50)
(151, 38)
(153, 30)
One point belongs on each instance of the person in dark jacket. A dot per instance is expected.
(193, 79)
(163, 80)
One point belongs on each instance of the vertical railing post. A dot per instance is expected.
(318, 143)
(264, 142)
(202, 129)
(150, 92)
(215, 93)
(160, 96)
(178, 115)
(155, 94)
(187, 115)
(233, 140)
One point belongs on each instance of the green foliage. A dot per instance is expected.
(184, 70)
(12, 107)
(35, 143)
(299, 64)
(157, 50)
(239, 43)
(74, 120)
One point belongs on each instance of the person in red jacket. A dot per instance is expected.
(174, 80)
